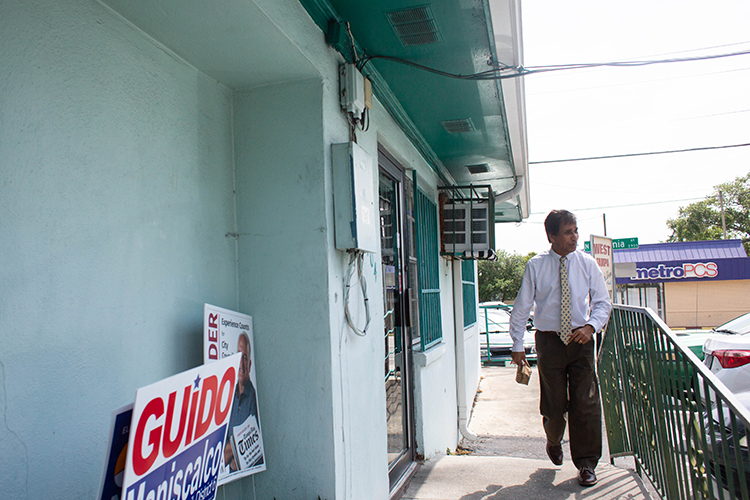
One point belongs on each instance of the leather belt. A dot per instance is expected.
(543, 331)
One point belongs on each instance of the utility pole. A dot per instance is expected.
(723, 221)
(604, 220)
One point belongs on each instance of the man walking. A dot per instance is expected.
(571, 303)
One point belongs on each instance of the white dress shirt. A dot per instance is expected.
(589, 299)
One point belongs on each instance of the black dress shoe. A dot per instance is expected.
(555, 453)
(586, 477)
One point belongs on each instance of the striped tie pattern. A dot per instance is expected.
(565, 327)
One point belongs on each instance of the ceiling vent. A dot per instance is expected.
(478, 169)
(414, 26)
(459, 126)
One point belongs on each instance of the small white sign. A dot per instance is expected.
(248, 444)
(601, 250)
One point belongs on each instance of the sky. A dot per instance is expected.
(614, 111)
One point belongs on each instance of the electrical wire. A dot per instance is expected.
(630, 155)
(517, 71)
(636, 82)
(364, 118)
(640, 125)
(356, 256)
(622, 206)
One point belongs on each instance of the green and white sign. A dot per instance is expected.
(623, 243)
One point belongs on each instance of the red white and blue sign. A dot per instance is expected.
(119, 431)
(702, 270)
(177, 434)
(676, 262)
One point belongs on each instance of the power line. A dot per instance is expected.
(630, 155)
(639, 125)
(626, 206)
(639, 82)
(516, 71)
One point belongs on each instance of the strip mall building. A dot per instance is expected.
(694, 284)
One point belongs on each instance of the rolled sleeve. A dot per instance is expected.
(600, 305)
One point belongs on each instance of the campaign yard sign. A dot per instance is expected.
(226, 333)
(114, 470)
(177, 434)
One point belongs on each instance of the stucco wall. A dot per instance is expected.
(115, 198)
(698, 304)
(116, 202)
(283, 281)
(435, 402)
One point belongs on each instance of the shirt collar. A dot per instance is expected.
(557, 256)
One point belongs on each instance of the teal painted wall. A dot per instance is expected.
(283, 281)
(120, 163)
(115, 197)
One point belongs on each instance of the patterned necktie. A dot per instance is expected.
(565, 327)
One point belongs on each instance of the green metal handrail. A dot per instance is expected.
(687, 432)
(487, 322)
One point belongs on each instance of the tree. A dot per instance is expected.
(501, 280)
(702, 220)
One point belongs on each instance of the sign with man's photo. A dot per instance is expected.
(226, 333)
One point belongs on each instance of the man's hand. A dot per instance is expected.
(229, 456)
(518, 358)
(582, 335)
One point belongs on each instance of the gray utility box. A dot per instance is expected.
(355, 212)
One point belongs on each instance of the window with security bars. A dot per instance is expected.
(468, 284)
(428, 262)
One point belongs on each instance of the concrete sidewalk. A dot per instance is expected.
(508, 461)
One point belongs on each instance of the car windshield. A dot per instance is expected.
(497, 320)
(737, 325)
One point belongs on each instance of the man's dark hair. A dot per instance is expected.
(555, 219)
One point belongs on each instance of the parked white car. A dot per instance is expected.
(728, 357)
(722, 447)
(695, 339)
(494, 317)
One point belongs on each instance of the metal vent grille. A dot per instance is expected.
(478, 169)
(414, 26)
(459, 126)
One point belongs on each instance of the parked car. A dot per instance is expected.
(728, 357)
(494, 317)
(694, 339)
(721, 435)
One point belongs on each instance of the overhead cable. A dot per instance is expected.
(515, 71)
(630, 205)
(628, 155)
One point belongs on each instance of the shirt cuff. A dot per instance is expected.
(593, 325)
(518, 346)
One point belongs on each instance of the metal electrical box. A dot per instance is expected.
(352, 90)
(355, 212)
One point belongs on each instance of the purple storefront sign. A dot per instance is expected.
(737, 268)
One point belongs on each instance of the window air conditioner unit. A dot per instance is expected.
(466, 227)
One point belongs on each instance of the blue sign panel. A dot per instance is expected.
(737, 268)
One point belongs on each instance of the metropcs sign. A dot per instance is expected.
(685, 270)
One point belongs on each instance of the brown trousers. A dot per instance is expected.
(567, 377)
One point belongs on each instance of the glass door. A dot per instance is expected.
(397, 317)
